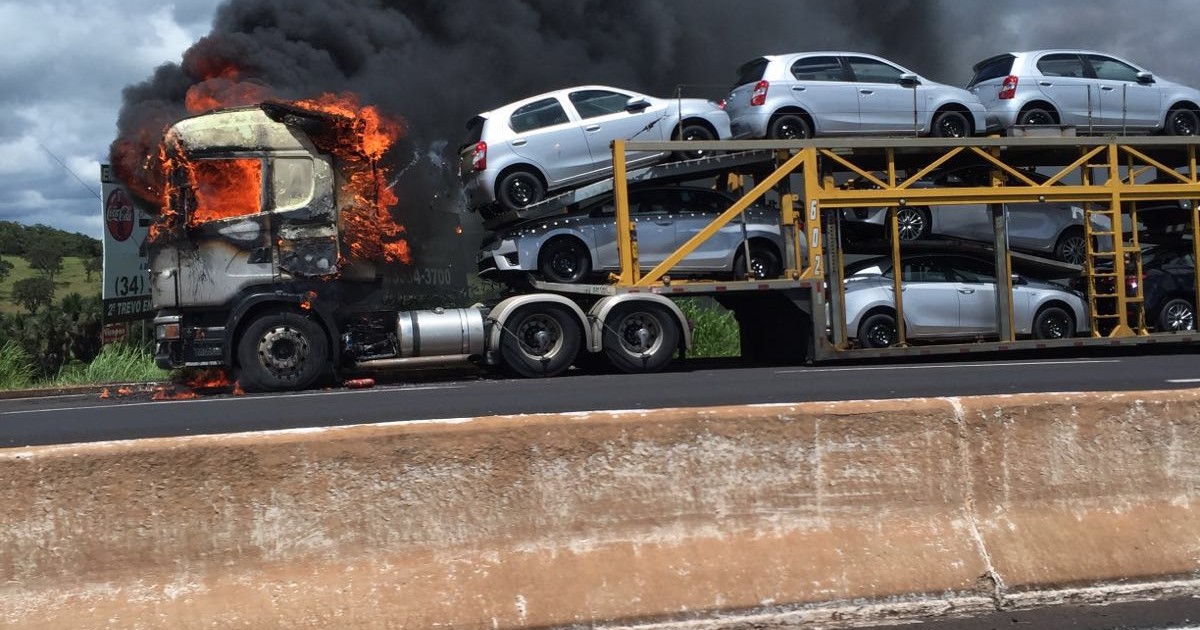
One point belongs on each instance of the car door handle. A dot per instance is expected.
(519, 143)
(664, 222)
(1045, 83)
(966, 291)
(798, 88)
(592, 128)
(866, 91)
(1106, 88)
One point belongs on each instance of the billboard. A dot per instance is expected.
(126, 267)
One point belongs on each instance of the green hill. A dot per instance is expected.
(71, 280)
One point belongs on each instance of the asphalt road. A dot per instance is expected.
(85, 418)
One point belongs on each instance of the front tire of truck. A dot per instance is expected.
(640, 338)
(282, 351)
(540, 341)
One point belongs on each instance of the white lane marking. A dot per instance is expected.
(232, 399)
(1183, 380)
(946, 365)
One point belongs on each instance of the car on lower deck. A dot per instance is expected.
(1051, 229)
(582, 244)
(952, 296)
(838, 93)
(518, 154)
(1092, 91)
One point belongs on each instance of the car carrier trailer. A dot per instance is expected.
(253, 293)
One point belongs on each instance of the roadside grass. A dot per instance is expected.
(715, 332)
(16, 367)
(117, 363)
(73, 279)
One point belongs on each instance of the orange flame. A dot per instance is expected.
(361, 138)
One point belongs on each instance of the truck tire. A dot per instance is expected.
(539, 341)
(282, 351)
(640, 338)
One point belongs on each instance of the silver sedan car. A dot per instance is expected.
(1053, 230)
(1089, 90)
(800, 95)
(516, 154)
(952, 296)
(570, 247)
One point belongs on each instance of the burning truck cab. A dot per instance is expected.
(274, 243)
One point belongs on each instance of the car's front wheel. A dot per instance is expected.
(912, 224)
(1071, 248)
(520, 188)
(693, 132)
(878, 331)
(1176, 315)
(951, 124)
(565, 260)
(764, 262)
(1182, 121)
(1053, 322)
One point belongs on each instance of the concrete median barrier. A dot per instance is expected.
(738, 517)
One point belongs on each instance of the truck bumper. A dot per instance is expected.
(179, 343)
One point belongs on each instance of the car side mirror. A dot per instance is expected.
(636, 104)
(909, 80)
(1018, 279)
(1145, 78)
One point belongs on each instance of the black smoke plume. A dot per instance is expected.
(436, 63)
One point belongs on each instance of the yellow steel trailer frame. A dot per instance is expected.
(1108, 176)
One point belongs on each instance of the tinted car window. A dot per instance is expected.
(474, 130)
(592, 103)
(1061, 65)
(872, 71)
(924, 270)
(971, 270)
(1110, 69)
(993, 68)
(752, 71)
(538, 114)
(818, 69)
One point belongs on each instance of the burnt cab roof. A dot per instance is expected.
(255, 128)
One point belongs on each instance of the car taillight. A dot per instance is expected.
(479, 157)
(1008, 89)
(721, 103)
(759, 95)
(1131, 285)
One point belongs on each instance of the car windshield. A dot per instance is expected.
(993, 68)
(752, 71)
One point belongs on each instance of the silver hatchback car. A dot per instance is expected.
(948, 296)
(800, 95)
(516, 154)
(570, 247)
(1089, 90)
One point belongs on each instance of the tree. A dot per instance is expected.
(91, 265)
(33, 293)
(5, 269)
(46, 258)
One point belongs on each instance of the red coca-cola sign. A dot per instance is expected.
(118, 215)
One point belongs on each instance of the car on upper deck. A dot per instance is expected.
(1092, 91)
(806, 94)
(517, 154)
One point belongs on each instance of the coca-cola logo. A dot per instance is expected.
(118, 215)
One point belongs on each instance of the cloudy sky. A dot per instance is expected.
(65, 62)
